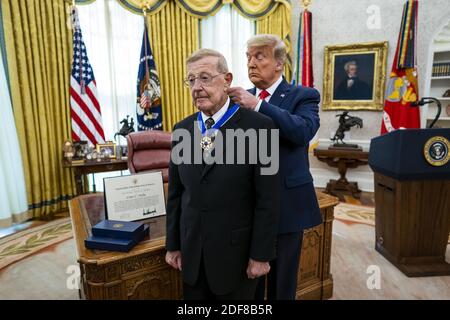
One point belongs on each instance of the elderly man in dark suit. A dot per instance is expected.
(221, 217)
(295, 112)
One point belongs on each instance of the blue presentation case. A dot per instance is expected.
(115, 244)
(118, 229)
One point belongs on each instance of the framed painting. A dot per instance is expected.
(354, 76)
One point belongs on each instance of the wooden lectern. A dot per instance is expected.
(412, 200)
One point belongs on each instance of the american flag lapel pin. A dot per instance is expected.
(282, 95)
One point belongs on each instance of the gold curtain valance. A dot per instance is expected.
(252, 9)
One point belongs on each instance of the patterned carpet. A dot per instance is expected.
(37, 263)
(28, 242)
(355, 213)
(20, 245)
(351, 213)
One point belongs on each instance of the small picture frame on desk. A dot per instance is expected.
(80, 150)
(106, 150)
(124, 152)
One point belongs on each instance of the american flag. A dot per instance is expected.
(145, 100)
(84, 106)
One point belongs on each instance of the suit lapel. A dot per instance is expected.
(278, 96)
(280, 93)
(230, 124)
(192, 128)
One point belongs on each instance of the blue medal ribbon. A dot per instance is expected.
(227, 116)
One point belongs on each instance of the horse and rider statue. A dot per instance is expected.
(346, 122)
(127, 127)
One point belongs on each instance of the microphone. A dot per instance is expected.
(428, 100)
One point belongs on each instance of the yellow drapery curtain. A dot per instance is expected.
(38, 46)
(279, 23)
(174, 35)
(253, 9)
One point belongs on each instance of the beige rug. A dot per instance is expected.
(355, 213)
(28, 242)
(44, 265)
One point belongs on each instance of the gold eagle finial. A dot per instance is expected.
(146, 5)
(306, 4)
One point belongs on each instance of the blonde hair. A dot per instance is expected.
(203, 53)
(270, 40)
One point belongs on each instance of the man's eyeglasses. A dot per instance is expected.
(205, 79)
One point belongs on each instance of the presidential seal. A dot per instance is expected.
(118, 225)
(436, 151)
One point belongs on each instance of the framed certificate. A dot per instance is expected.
(134, 197)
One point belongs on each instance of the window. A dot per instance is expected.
(113, 38)
(227, 32)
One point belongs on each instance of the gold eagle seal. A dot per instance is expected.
(436, 151)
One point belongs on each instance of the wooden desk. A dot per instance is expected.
(143, 273)
(80, 170)
(315, 281)
(342, 159)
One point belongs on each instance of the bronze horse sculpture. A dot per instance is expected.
(346, 122)
(126, 127)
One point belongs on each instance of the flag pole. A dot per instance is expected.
(145, 6)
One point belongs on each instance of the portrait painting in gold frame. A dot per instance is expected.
(354, 76)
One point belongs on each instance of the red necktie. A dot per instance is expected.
(264, 94)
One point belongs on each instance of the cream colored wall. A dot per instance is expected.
(345, 21)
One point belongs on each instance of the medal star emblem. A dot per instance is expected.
(206, 143)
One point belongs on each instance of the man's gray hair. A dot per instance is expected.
(203, 53)
(270, 40)
(348, 64)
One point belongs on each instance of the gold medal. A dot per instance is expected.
(207, 143)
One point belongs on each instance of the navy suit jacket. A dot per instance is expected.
(295, 112)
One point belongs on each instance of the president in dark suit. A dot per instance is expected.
(221, 218)
(295, 112)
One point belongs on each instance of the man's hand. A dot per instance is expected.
(174, 259)
(243, 97)
(257, 269)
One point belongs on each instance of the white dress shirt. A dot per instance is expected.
(270, 90)
(219, 114)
